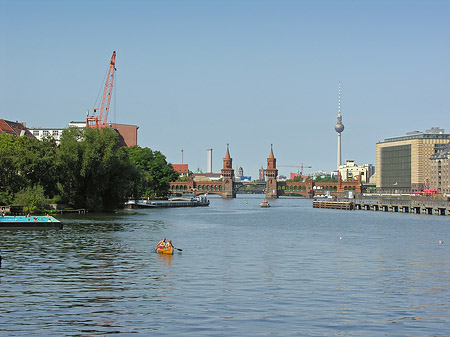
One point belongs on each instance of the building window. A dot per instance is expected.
(396, 166)
(35, 132)
(55, 133)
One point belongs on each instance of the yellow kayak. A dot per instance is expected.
(165, 250)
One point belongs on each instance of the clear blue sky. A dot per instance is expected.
(195, 75)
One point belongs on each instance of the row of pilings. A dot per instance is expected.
(417, 206)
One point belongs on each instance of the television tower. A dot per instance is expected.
(339, 127)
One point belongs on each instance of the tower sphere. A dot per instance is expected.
(339, 127)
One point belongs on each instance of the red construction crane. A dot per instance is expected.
(100, 120)
(298, 167)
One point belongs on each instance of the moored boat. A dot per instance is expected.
(201, 200)
(168, 250)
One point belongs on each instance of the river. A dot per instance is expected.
(287, 270)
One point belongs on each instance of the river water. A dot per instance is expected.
(288, 270)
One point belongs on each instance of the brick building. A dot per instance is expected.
(14, 128)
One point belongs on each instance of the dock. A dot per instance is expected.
(346, 205)
(392, 204)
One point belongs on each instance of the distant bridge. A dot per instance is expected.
(307, 188)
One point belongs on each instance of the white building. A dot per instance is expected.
(41, 133)
(55, 133)
(350, 171)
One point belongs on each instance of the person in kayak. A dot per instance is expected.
(161, 244)
(169, 244)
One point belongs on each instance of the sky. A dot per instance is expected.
(201, 74)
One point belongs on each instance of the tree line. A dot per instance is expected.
(87, 169)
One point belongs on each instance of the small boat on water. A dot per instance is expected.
(265, 203)
(168, 250)
(29, 222)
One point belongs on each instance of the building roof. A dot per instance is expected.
(14, 128)
(227, 154)
(180, 168)
(271, 156)
(433, 133)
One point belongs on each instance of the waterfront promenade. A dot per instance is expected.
(418, 205)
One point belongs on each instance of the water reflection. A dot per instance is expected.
(165, 260)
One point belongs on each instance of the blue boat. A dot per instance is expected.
(30, 222)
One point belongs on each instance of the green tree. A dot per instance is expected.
(25, 163)
(155, 172)
(325, 179)
(96, 172)
(10, 179)
(36, 163)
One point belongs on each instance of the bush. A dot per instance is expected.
(6, 198)
(32, 199)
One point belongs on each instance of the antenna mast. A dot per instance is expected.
(339, 114)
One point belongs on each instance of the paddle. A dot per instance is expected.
(178, 249)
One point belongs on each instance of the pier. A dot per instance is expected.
(347, 205)
(390, 204)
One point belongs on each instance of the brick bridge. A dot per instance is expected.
(227, 187)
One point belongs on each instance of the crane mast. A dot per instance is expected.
(101, 120)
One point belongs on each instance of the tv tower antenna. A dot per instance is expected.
(339, 98)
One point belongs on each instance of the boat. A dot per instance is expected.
(201, 200)
(168, 250)
(265, 203)
(29, 222)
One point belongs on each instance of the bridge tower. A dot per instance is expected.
(271, 176)
(228, 189)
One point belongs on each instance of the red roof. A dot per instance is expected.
(180, 168)
(14, 128)
(293, 175)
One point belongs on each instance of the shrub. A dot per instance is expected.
(31, 198)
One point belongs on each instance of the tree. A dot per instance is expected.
(36, 163)
(96, 172)
(26, 163)
(155, 172)
(10, 180)
(325, 179)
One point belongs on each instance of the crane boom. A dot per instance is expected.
(297, 166)
(102, 118)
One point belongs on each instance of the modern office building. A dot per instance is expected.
(403, 163)
(440, 170)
